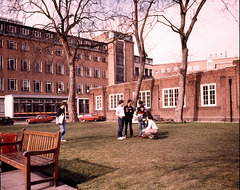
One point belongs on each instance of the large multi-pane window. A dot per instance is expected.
(12, 63)
(37, 86)
(37, 66)
(1, 84)
(170, 96)
(59, 68)
(113, 100)
(49, 67)
(98, 102)
(208, 94)
(60, 87)
(145, 96)
(79, 70)
(12, 84)
(25, 66)
(79, 88)
(49, 86)
(11, 44)
(25, 85)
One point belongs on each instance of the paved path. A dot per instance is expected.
(14, 180)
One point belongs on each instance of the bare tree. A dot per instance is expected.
(65, 17)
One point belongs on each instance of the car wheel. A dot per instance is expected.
(95, 119)
(83, 120)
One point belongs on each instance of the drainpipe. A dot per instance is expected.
(230, 92)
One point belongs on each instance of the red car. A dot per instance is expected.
(40, 119)
(90, 117)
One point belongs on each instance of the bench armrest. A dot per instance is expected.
(10, 143)
(39, 152)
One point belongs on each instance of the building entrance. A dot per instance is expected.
(83, 106)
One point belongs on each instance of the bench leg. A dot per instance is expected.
(27, 174)
(55, 174)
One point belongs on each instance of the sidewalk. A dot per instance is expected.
(14, 180)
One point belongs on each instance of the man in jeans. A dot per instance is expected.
(60, 120)
(128, 110)
(120, 114)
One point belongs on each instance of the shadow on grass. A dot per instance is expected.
(162, 135)
(76, 171)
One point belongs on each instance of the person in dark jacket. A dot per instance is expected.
(128, 110)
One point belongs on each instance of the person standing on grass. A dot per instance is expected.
(121, 115)
(141, 112)
(128, 110)
(60, 120)
(152, 128)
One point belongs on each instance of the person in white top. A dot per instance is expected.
(121, 115)
(152, 128)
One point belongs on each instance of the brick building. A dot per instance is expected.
(211, 96)
(34, 72)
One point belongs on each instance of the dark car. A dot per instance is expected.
(6, 121)
(40, 119)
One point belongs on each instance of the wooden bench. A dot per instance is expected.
(36, 151)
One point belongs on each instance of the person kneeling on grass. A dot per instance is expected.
(152, 128)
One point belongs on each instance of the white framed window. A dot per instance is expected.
(37, 34)
(79, 70)
(87, 88)
(104, 59)
(25, 85)
(98, 102)
(87, 56)
(25, 66)
(113, 100)
(49, 86)
(25, 46)
(156, 71)
(88, 72)
(79, 88)
(1, 84)
(189, 68)
(59, 69)
(145, 96)
(37, 86)
(96, 72)
(96, 57)
(60, 87)
(37, 66)
(104, 73)
(208, 94)
(12, 29)
(162, 70)
(79, 55)
(169, 97)
(12, 84)
(25, 31)
(11, 44)
(49, 67)
(12, 63)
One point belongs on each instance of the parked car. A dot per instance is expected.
(6, 121)
(40, 119)
(90, 117)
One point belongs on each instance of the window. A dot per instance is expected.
(25, 66)
(175, 69)
(96, 85)
(25, 46)
(1, 62)
(37, 34)
(67, 70)
(189, 68)
(79, 70)
(96, 57)
(37, 86)
(209, 65)
(88, 72)
(1, 26)
(79, 55)
(59, 52)
(146, 72)
(170, 96)
(37, 48)
(113, 100)
(150, 72)
(87, 88)
(12, 29)
(25, 31)
(48, 35)
(79, 88)
(49, 86)
(168, 69)
(104, 59)
(60, 87)
(162, 70)
(49, 50)
(104, 74)
(11, 44)
(137, 71)
(208, 94)
(25, 85)
(1, 84)
(37, 66)
(196, 67)
(12, 63)
(98, 102)
(1, 43)
(145, 96)
(87, 56)
(49, 67)
(156, 71)
(59, 68)
(68, 86)
(96, 73)
(12, 84)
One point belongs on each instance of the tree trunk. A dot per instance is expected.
(182, 84)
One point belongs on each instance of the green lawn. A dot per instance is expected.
(185, 156)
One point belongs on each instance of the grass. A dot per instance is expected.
(185, 156)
